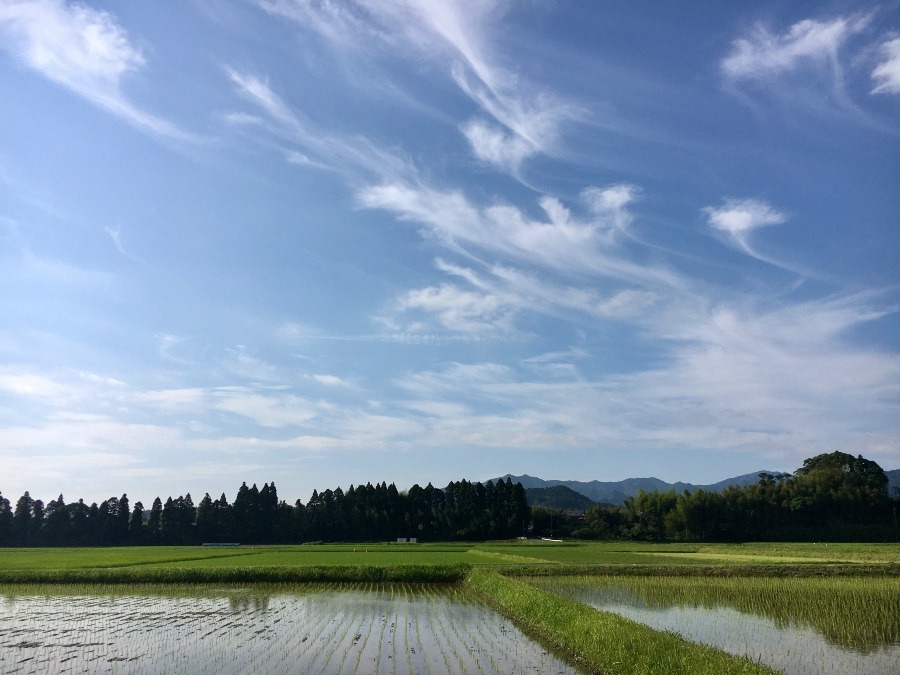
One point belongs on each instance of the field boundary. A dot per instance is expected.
(595, 641)
(440, 574)
(810, 569)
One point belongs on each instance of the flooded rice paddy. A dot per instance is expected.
(336, 629)
(797, 626)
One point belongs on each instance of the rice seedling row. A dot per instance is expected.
(340, 629)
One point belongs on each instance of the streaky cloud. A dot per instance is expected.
(354, 156)
(457, 34)
(561, 243)
(84, 50)
(887, 73)
(765, 54)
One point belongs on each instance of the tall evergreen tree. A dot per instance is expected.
(57, 523)
(136, 524)
(154, 522)
(123, 515)
(6, 521)
(21, 524)
(206, 520)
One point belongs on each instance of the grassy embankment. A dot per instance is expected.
(599, 641)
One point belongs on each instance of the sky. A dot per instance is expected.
(324, 243)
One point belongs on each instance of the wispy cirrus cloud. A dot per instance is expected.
(84, 50)
(560, 242)
(733, 378)
(527, 117)
(493, 302)
(728, 377)
(886, 74)
(351, 155)
(809, 42)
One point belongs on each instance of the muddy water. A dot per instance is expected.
(384, 629)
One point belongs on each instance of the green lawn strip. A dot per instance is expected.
(811, 569)
(256, 574)
(836, 552)
(347, 557)
(479, 556)
(88, 558)
(628, 553)
(599, 642)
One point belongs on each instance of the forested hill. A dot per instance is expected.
(616, 492)
(558, 497)
(832, 497)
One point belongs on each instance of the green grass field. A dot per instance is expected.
(505, 554)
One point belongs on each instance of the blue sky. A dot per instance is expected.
(325, 243)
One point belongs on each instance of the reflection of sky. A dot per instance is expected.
(387, 629)
(795, 650)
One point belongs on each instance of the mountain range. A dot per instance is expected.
(615, 492)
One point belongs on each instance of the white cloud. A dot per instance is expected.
(116, 236)
(32, 385)
(737, 218)
(82, 49)
(494, 146)
(332, 381)
(461, 310)
(280, 410)
(241, 362)
(731, 379)
(322, 150)
(503, 295)
(765, 54)
(562, 243)
(458, 34)
(188, 398)
(259, 92)
(887, 73)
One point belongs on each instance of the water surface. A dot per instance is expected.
(384, 629)
(779, 634)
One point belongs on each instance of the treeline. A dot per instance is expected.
(461, 511)
(832, 497)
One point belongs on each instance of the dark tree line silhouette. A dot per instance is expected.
(461, 511)
(832, 497)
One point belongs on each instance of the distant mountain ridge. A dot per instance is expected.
(616, 492)
(893, 482)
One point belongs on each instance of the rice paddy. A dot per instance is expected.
(26, 562)
(325, 629)
(436, 608)
(796, 625)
